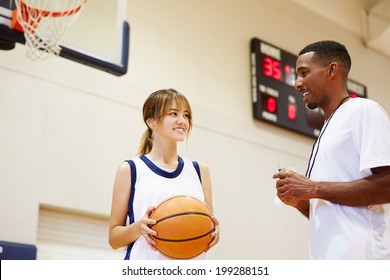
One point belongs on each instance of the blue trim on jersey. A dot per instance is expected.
(133, 171)
(196, 165)
(161, 172)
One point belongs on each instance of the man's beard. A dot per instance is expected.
(311, 106)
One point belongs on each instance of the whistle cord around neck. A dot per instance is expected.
(310, 167)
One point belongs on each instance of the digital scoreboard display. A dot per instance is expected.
(275, 100)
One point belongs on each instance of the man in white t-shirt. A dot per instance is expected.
(346, 190)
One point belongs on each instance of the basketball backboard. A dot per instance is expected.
(98, 38)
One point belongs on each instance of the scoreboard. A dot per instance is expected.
(274, 98)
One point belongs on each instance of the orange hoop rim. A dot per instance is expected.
(44, 13)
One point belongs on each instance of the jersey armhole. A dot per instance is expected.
(196, 166)
(133, 172)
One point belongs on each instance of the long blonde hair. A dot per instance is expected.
(155, 107)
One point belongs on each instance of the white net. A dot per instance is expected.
(44, 22)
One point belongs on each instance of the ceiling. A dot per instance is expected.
(377, 27)
(368, 18)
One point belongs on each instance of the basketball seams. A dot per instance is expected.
(181, 214)
(185, 233)
(183, 240)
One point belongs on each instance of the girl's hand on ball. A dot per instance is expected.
(145, 229)
(215, 234)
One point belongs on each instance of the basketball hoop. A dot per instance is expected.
(43, 23)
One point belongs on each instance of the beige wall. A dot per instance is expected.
(65, 127)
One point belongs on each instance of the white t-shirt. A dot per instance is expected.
(151, 186)
(356, 139)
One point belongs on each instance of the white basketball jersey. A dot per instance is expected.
(150, 185)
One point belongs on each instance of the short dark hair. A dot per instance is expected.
(327, 51)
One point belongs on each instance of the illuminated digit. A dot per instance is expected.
(271, 105)
(353, 95)
(277, 73)
(268, 68)
(292, 112)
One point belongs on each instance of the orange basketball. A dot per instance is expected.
(183, 226)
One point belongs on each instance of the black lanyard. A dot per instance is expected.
(310, 167)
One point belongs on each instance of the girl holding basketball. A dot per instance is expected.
(156, 174)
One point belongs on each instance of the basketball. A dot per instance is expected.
(183, 226)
